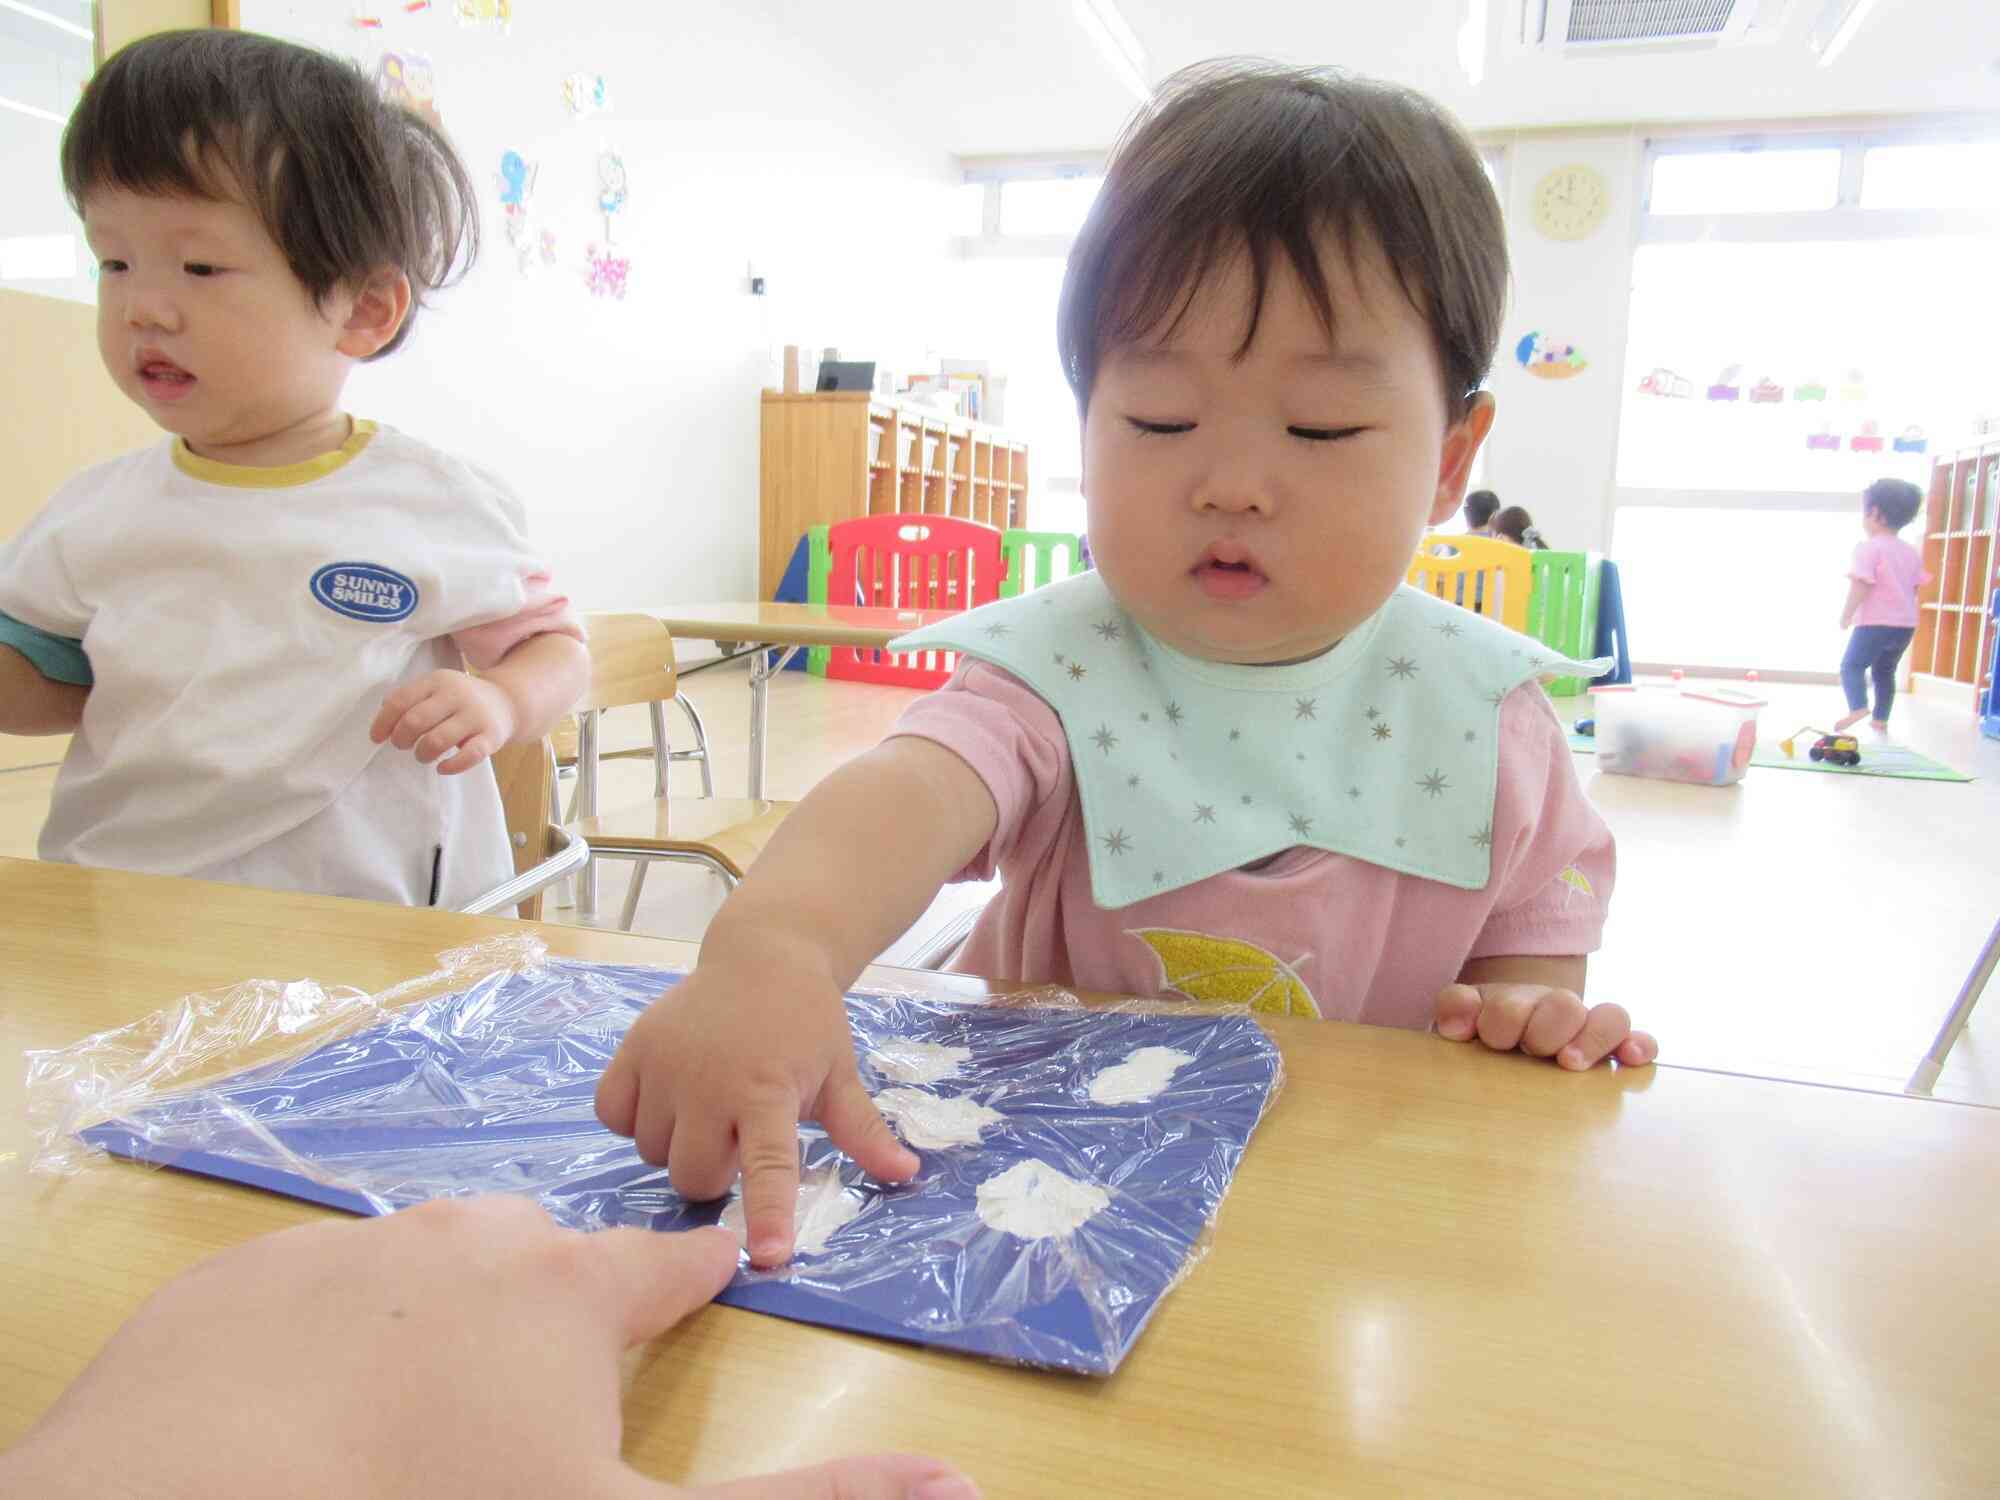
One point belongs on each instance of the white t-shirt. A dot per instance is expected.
(243, 627)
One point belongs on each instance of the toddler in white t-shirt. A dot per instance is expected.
(256, 631)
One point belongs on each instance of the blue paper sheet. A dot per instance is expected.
(490, 1089)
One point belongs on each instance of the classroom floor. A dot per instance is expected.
(1812, 927)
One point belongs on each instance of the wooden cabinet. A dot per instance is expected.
(1954, 644)
(832, 457)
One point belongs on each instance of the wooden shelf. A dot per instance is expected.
(821, 456)
(1953, 644)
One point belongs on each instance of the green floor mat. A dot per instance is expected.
(1876, 760)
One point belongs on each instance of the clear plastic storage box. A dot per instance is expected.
(1676, 733)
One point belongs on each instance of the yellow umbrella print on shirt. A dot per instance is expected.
(1225, 971)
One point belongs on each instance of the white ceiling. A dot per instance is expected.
(1021, 75)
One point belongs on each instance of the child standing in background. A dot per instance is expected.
(1239, 760)
(1882, 589)
(239, 624)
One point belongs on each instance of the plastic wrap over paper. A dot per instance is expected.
(1076, 1156)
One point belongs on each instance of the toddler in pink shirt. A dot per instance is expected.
(1882, 589)
(1240, 760)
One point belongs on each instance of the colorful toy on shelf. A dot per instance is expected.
(1663, 382)
(1765, 392)
(1868, 439)
(1834, 749)
(1854, 387)
(1812, 390)
(1725, 387)
(1548, 358)
(1912, 440)
(1826, 438)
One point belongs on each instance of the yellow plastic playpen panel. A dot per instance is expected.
(1488, 577)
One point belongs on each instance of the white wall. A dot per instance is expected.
(631, 428)
(1555, 442)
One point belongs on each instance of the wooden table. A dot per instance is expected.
(1439, 1272)
(754, 629)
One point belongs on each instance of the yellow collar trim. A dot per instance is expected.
(279, 476)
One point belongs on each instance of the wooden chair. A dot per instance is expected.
(1488, 577)
(632, 662)
(544, 852)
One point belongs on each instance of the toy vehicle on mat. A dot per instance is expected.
(1836, 750)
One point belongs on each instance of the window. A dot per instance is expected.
(45, 60)
(1788, 343)
(1745, 181)
(1938, 176)
(1050, 205)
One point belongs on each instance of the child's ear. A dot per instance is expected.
(379, 307)
(1461, 446)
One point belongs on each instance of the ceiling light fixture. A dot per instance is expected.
(48, 20)
(1837, 27)
(29, 109)
(1472, 42)
(1117, 42)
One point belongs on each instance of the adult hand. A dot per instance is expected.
(461, 1348)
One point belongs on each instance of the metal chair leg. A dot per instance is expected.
(586, 804)
(663, 755)
(631, 912)
(1925, 1078)
(700, 751)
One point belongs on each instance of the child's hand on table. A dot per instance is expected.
(1535, 1005)
(444, 713)
(720, 1070)
(461, 1348)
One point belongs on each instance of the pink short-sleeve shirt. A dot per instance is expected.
(1894, 571)
(1357, 941)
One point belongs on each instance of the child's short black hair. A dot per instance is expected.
(345, 182)
(1240, 154)
(1479, 508)
(1897, 499)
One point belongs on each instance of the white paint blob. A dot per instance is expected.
(931, 1122)
(910, 1061)
(824, 1206)
(1031, 1200)
(1140, 1077)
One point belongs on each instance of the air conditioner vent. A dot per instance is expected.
(1582, 27)
(1647, 20)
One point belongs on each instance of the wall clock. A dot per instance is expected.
(1571, 202)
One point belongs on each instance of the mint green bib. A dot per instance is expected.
(1385, 749)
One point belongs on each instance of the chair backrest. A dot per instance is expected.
(1488, 577)
(909, 562)
(526, 773)
(631, 661)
